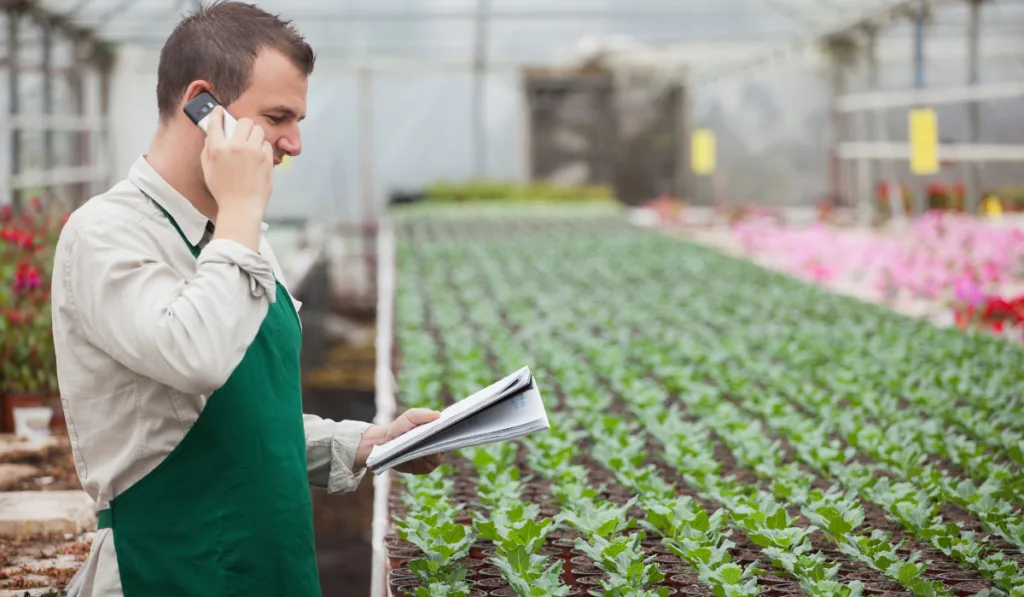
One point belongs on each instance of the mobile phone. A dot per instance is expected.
(199, 109)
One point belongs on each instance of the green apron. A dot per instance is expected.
(229, 512)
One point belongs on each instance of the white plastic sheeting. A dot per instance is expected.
(420, 123)
(772, 125)
(771, 119)
(443, 29)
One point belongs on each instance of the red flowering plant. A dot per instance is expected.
(942, 195)
(992, 313)
(28, 238)
(998, 313)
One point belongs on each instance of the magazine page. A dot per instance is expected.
(509, 418)
(453, 415)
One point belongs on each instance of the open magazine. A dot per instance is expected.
(509, 408)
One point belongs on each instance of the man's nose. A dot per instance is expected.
(291, 143)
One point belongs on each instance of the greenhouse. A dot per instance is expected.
(762, 260)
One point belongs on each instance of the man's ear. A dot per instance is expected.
(194, 89)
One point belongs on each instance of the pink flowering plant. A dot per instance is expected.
(956, 260)
(27, 241)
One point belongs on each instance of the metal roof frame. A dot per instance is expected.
(813, 21)
(98, 49)
(851, 31)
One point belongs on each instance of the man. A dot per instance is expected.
(178, 344)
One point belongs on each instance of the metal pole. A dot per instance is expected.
(107, 149)
(933, 96)
(366, 158)
(366, 142)
(14, 99)
(684, 188)
(5, 145)
(973, 191)
(76, 87)
(479, 83)
(837, 65)
(919, 64)
(525, 132)
(919, 44)
(867, 169)
(48, 153)
(884, 170)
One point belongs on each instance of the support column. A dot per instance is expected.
(479, 142)
(525, 132)
(366, 143)
(366, 170)
(973, 191)
(5, 132)
(841, 51)
(882, 170)
(14, 100)
(867, 170)
(106, 153)
(918, 186)
(835, 132)
(684, 126)
(919, 17)
(79, 154)
(49, 157)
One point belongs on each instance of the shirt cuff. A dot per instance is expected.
(344, 443)
(261, 273)
(331, 453)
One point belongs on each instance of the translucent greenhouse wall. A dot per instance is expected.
(772, 125)
(70, 149)
(422, 132)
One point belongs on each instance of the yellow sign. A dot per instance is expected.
(702, 150)
(924, 141)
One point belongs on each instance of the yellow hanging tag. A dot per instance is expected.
(703, 151)
(924, 141)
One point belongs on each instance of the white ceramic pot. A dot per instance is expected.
(32, 422)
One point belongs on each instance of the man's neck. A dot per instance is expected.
(164, 157)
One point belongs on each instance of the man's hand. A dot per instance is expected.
(240, 175)
(381, 434)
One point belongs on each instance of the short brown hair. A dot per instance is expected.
(219, 43)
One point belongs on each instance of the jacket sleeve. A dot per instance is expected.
(331, 453)
(187, 334)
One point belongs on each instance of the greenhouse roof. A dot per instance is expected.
(523, 32)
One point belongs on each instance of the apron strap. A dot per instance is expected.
(195, 249)
(105, 518)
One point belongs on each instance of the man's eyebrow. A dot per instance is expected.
(287, 112)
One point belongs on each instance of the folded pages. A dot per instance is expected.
(509, 408)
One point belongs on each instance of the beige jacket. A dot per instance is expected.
(145, 332)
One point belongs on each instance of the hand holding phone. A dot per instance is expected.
(200, 109)
(239, 171)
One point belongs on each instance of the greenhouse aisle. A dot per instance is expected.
(338, 385)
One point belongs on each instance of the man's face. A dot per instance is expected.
(275, 100)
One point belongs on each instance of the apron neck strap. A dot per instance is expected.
(195, 249)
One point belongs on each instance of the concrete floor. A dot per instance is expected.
(342, 522)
